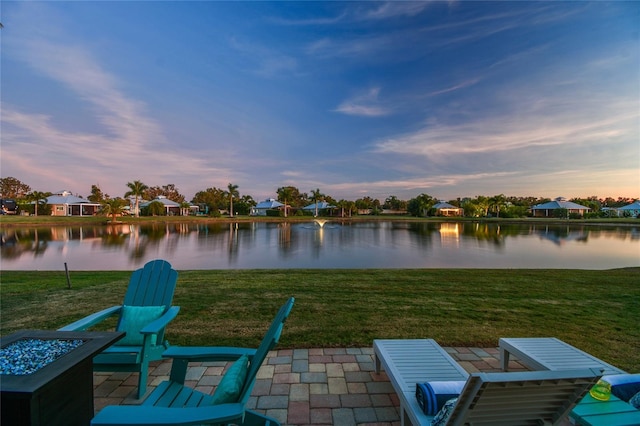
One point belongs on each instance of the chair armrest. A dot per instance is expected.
(91, 320)
(183, 355)
(207, 353)
(157, 325)
(150, 416)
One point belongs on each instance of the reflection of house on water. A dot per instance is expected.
(450, 234)
(560, 235)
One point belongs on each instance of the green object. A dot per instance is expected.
(150, 286)
(231, 384)
(134, 319)
(173, 402)
(601, 390)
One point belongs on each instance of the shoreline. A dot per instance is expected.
(36, 221)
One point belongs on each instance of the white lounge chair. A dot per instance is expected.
(526, 398)
(549, 353)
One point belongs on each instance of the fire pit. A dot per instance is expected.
(46, 377)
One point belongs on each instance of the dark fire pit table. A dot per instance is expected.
(59, 393)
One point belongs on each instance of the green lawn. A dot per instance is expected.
(596, 311)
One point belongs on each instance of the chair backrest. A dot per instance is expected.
(152, 285)
(269, 341)
(527, 398)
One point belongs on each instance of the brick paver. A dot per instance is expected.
(332, 386)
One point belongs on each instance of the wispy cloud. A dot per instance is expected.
(357, 47)
(433, 184)
(329, 20)
(127, 133)
(393, 9)
(429, 37)
(457, 86)
(506, 134)
(365, 105)
(365, 11)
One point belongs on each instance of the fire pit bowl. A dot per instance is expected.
(46, 377)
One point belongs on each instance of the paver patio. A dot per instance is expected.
(330, 386)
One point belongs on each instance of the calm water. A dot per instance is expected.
(373, 244)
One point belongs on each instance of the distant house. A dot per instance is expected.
(171, 207)
(446, 209)
(547, 209)
(319, 206)
(269, 204)
(63, 203)
(632, 209)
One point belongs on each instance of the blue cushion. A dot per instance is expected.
(134, 319)
(624, 386)
(431, 396)
(231, 384)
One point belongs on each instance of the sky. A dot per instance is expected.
(450, 99)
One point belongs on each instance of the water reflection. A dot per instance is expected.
(334, 244)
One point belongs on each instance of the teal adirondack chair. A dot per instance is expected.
(144, 315)
(173, 403)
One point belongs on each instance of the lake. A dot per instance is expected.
(367, 244)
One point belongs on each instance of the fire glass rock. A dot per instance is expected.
(27, 356)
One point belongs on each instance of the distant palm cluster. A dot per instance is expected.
(141, 199)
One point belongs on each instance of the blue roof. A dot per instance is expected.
(560, 203)
(269, 204)
(444, 205)
(633, 206)
(67, 199)
(321, 205)
(167, 202)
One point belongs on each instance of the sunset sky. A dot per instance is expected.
(451, 99)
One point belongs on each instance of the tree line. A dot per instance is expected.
(216, 200)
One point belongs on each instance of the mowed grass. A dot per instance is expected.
(597, 311)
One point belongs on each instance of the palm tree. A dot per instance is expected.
(496, 202)
(316, 194)
(233, 192)
(420, 206)
(285, 194)
(483, 203)
(137, 189)
(113, 207)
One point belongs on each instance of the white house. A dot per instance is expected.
(171, 207)
(445, 209)
(269, 204)
(632, 209)
(64, 203)
(546, 209)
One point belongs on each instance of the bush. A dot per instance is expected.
(155, 208)
(44, 209)
(561, 213)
